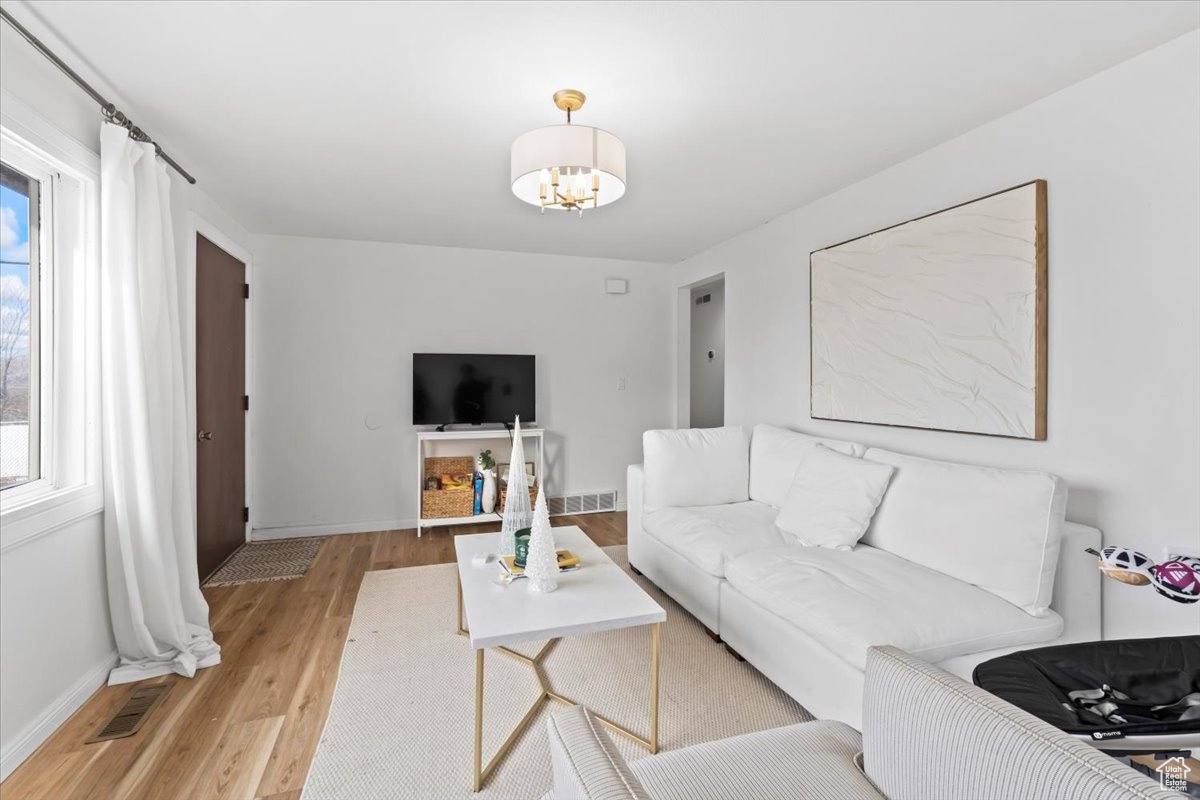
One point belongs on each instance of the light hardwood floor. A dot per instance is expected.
(248, 727)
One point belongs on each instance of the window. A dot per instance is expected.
(20, 328)
(49, 328)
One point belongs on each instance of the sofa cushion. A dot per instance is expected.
(699, 467)
(710, 536)
(809, 761)
(851, 600)
(996, 528)
(774, 455)
(833, 498)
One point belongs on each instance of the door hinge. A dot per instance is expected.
(245, 513)
(245, 402)
(246, 291)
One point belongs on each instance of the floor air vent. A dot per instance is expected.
(130, 716)
(585, 503)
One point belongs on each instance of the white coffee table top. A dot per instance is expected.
(599, 596)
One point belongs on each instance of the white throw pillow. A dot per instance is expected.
(697, 467)
(774, 455)
(833, 498)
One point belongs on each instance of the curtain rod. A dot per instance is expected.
(111, 112)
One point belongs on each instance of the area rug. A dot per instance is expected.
(281, 560)
(401, 724)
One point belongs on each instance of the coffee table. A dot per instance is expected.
(599, 596)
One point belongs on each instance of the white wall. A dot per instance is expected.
(335, 324)
(56, 644)
(1119, 151)
(707, 377)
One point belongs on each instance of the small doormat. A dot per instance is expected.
(282, 560)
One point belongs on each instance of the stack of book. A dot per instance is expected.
(567, 562)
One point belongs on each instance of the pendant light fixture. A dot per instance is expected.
(568, 167)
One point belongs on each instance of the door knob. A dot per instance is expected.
(204, 436)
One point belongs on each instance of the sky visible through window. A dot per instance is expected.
(14, 236)
(15, 395)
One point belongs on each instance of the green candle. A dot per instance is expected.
(522, 549)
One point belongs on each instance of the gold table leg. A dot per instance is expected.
(481, 772)
(478, 782)
(654, 651)
(461, 631)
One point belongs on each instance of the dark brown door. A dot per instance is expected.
(220, 408)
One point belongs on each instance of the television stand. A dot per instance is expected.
(469, 442)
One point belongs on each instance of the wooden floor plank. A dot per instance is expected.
(248, 727)
(123, 755)
(284, 654)
(240, 603)
(174, 767)
(239, 759)
(63, 776)
(287, 766)
(281, 796)
(346, 592)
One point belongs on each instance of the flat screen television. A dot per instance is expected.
(464, 389)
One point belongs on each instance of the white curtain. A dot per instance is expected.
(159, 616)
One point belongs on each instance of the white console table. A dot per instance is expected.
(466, 442)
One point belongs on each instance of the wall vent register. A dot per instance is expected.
(131, 716)
(585, 503)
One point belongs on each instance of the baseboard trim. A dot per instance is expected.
(300, 531)
(336, 529)
(38, 731)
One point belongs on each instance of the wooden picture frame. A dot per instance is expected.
(880, 354)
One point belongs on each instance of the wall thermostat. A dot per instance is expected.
(616, 286)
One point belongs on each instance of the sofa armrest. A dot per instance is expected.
(586, 765)
(635, 498)
(929, 734)
(1076, 595)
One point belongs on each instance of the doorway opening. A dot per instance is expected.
(707, 360)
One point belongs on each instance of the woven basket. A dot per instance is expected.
(440, 503)
(533, 490)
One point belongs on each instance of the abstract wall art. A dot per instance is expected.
(939, 322)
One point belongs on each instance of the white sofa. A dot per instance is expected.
(960, 563)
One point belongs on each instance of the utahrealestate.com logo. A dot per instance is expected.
(1173, 773)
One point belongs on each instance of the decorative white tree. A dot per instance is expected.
(516, 503)
(541, 566)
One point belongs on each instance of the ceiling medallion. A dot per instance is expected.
(568, 167)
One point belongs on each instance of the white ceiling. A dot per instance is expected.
(392, 121)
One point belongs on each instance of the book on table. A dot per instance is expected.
(567, 562)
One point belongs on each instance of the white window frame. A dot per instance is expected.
(41, 321)
(70, 487)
